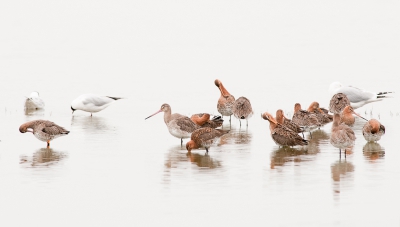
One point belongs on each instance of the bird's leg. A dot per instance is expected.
(340, 153)
(230, 118)
(240, 123)
(302, 134)
(91, 114)
(48, 143)
(345, 153)
(310, 135)
(206, 150)
(181, 142)
(247, 123)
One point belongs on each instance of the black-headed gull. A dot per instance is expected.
(92, 103)
(43, 130)
(34, 101)
(357, 97)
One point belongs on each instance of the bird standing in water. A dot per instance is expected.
(204, 137)
(225, 101)
(43, 130)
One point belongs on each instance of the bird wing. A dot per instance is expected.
(97, 100)
(185, 124)
(355, 94)
(53, 129)
(285, 136)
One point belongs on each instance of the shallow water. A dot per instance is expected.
(117, 169)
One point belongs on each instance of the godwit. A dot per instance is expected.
(203, 120)
(330, 116)
(242, 109)
(357, 97)
(281, 119)
(338, 102)
(321, 116)
(305, 119)
(282, 135)
(342, 136)
(225, 101)
(178, 125)
(204, 137)
(43, 130)
(347, 116)
(34, 101)
(92, 103)
(373, 130)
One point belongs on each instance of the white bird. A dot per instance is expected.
(358, 97)
(34, 101)
(92, 103)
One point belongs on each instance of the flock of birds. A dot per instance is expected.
(202, 129)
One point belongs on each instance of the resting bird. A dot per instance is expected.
(203, 120)
(282, 135)
(338, 102)
(92, 103)
(43, 130)
(204, 137)
(242, 109)
(373, 130)
(281, 119)
(357, 97)
(305, 119)
(34, 102)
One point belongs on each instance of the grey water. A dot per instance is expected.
(117, 169)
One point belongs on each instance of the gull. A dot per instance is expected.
(92, 103)
(43, 130)
(357, 97)
(34, 101)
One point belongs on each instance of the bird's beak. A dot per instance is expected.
(153, 114)
(359, 115)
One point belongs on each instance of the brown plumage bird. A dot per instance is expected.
(321, 116)
(282, 135)
(203, 120)
(225, 101)
(242, 109)
(342, 136)
(281, 119)
(347, 116)
(178, 125)
(373, 130)
(43, 130)
(204, 137)
(305, 119)
(338, 102)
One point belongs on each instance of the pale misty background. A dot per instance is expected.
(112, 169)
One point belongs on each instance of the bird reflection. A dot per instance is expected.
(287, 154)
(373, 151)
(43, 157)
(176, 157)
(340, 172)
(90, 124)
(236, 136)
(318, 136)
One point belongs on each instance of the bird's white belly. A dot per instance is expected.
(177, 132)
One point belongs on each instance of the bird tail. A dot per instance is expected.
(115, 98)
(384, 94)
(217, 119)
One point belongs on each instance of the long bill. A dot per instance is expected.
(153, 114)
(359, 115)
